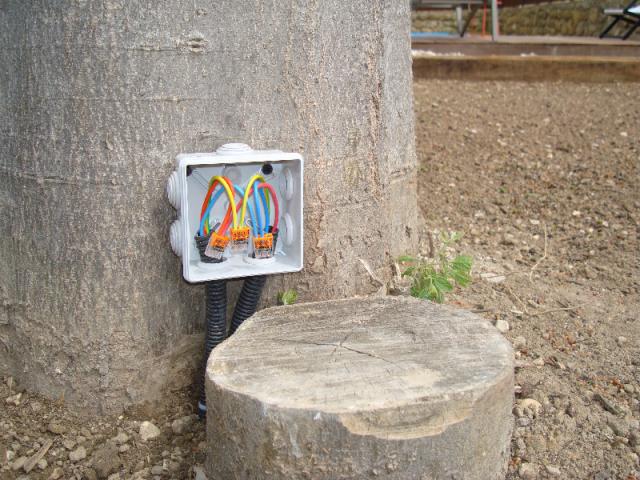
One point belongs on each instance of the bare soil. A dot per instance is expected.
(542, 180)
(113, 446)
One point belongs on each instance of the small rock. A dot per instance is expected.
(157, 470)
(114, 476)
(531, 405)
(621, 341)
(603, 475)
(14, 399)
(539, 362)
(528, 471)
(182, 424)
(78, 454)
(56, 428)
(608, 405)
(553, 470)
(18, 463)
(493, 277)
(519, 342)
(508, 240)
(618, 426)
(56, 474)
(42, 464)
(502, 326)
(90, 474)
(106, 460)
(537, 444)
(199, 473)
(148, 431)
(121, 438)
(124, 448)
(634, 439)
(69, 444)
(142, 474)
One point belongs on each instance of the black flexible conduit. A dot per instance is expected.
(216, 329)
(247, 301)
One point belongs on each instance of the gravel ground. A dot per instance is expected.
(515, 167)
(541, 178)
(163, 441)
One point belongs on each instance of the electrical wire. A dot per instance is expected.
(209, 202)
(256, 197)
(205, 217)
(252, 180)
(274, 200)
(265, 205)
(213, 183)
(251, 211)
(258, 227)
(231, 196)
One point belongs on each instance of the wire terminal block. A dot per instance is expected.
(239, 239)
(263, 246)
(215, 247)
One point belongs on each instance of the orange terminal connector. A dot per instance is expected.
(239, 239)
(217, 244)
(263, 246)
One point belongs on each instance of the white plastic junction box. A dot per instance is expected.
(188, 185)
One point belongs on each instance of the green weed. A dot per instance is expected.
(432, 278)
(288, 297)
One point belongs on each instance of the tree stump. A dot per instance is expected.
(384, 388)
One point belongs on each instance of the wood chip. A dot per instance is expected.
(30, 463)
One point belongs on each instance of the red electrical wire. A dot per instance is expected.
(212, 187)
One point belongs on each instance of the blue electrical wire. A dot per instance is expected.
(256, 197)
(212, 202)
(265, 205)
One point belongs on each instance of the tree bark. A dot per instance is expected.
(98, 97)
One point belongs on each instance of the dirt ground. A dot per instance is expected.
(541, 179)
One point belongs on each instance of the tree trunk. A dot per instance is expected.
(96, 100)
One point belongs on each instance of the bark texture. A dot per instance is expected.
(97, 98)
(381, 388)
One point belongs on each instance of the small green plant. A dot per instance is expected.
(433, 277)
(288, 297)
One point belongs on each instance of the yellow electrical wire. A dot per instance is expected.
(232, 201)
(246, 196)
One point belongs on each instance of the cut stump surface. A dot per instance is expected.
(387, 387)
